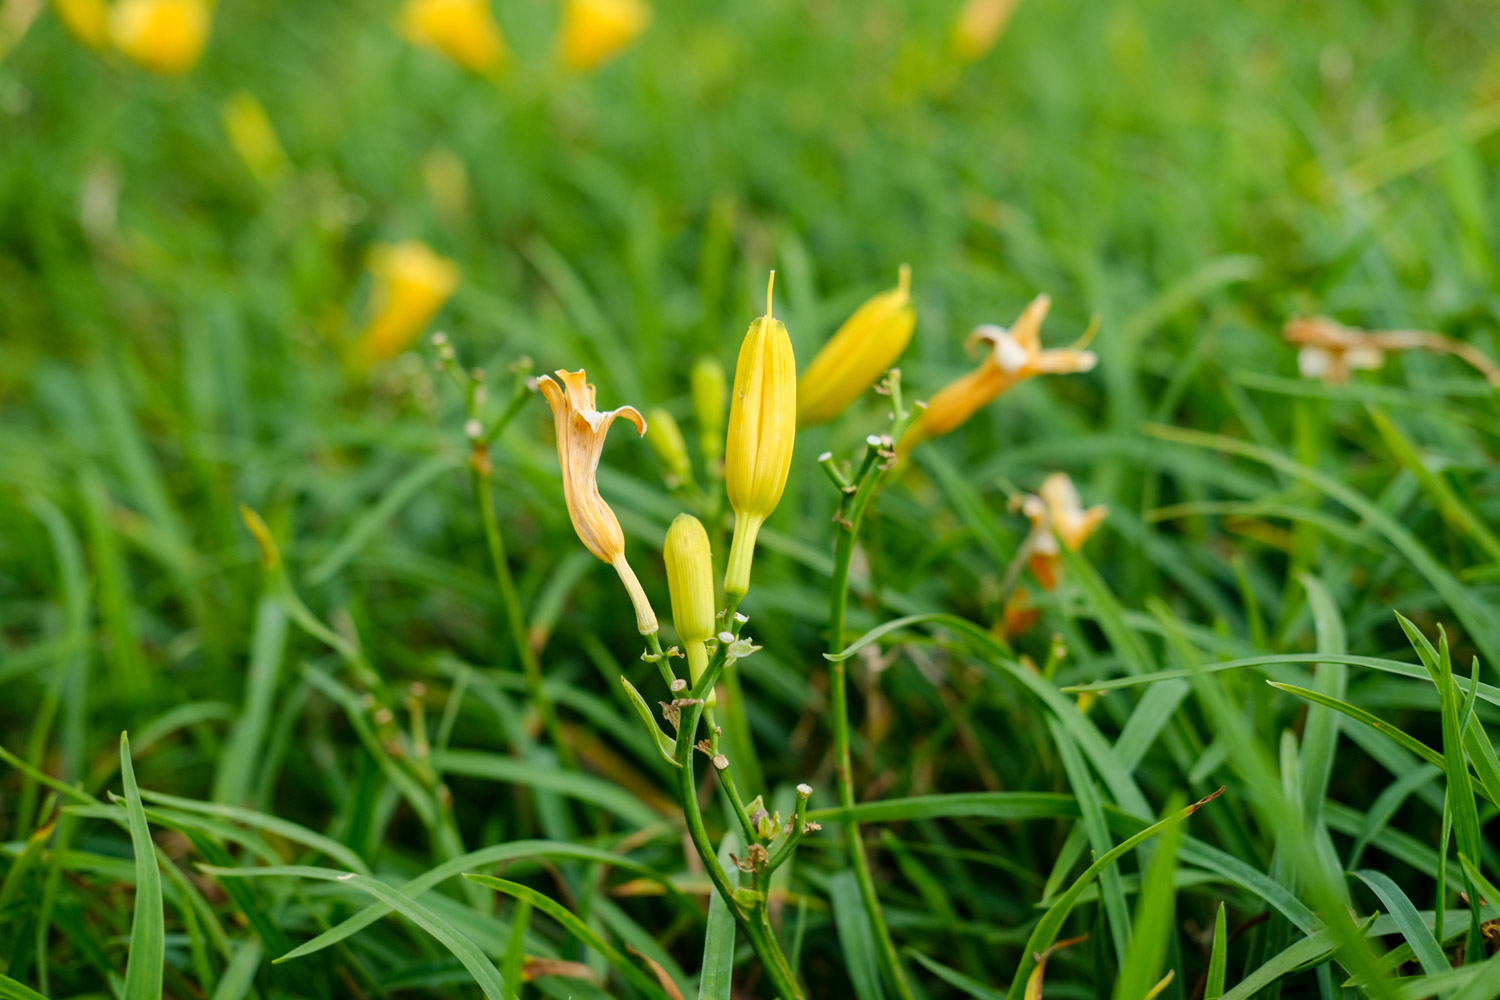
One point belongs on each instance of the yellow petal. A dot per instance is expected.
(164, 36)
(594, 31)
(463, 30)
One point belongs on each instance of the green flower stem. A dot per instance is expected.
(838, 682)
(726, 778)
(750, 909)
(519, 633)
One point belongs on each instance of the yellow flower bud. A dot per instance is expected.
(709, 390)
(690, 581)
(253, 136)
(1011, 357)
(666, 440)
(164, 36)
(411, 285)
(580, 439)
(463, 30)
(762, 426)
(866, 345)
(594, 31)
(86, 20)
(979, 25)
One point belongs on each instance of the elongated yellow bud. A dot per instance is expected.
(709, 390)
(690, 581)
(595, 31)
(666, 440)
(411, 285)
(866, 345)
(762, 426)
(164, 36)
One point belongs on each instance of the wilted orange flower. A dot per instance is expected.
(86, 20)
(463, 30)
(1056, 512)
(595, 31)
(412, 283)
(979, 25)
(580, 439)
(1011, 357)
(1330, 351)
(164, 36)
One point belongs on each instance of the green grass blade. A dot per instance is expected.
(1218, 958)
(1417, 934)
(964, 984)
(715, 981)
(148, 942)
(1155, 921)
(1117, 914)
(576, 927)
(855, 937)
(12, 990)
(239, 975)
(989, 805)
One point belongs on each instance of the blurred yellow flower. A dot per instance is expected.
(1056, 513)
(580, 439)
(411, 285)
(595, 31)
(253, 136)
(86, 20)
(164, 36)
(691, 584)
(463, 30)
(866, 345)
(979, 25)
(1011, 357)
(762, 426)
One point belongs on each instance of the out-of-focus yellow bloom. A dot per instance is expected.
(762, 426)
(253, 136)
(866, 345)
(412, 283)
(691, 583)
(709, 389)
(595, 31)
(1056, 512)
(1011, 356)
(580, 439)
(86, 20)
(979, 26)
(666, 440)
(164, 36)
(463, 30)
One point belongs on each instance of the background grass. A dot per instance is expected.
(1191, 174)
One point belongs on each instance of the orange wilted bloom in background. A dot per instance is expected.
(411, 285)
(1331, 351)
(164, 36)
(595, 31)
(580, 440)
(463, 30)
(866, 345)
(1056, 513)
(86, 20)
(1011, 357)
(979, 25)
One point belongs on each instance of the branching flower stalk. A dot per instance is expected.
(879, 458)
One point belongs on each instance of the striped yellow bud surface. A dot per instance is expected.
(164, 36)
(861, 350)
(666, 440)
(595, 31)
(463, 30)
(690, 581)
(762, 427)
(709, 389)
(411, 285)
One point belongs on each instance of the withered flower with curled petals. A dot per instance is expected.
(1057, 514)
(1011, 357)
(581, 429)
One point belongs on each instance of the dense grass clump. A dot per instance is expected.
(1164, 673)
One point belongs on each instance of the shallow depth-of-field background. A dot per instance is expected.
(175, 340)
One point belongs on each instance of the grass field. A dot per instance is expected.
(326, 583)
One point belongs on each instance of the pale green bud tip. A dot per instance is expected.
(665, 438)
(690, 580)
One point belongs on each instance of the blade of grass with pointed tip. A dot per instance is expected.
(1218, 959)
(239, 974)
(447, 935)
(989, 805)
(148, 936)
(1417, 934)
(1116, 912)
(576, 927)
(1154, 920)
(12, 990)
(965, 985)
